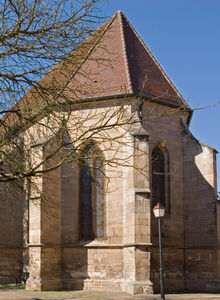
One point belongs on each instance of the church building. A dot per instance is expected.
(89, 224)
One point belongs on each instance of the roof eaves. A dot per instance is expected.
(164, 102)
(101, 98)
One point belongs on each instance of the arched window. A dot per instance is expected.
(91, 194)
(160, 178)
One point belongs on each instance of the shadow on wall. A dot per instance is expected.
(11, 227)
(189, 232)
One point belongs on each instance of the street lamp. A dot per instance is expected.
(159, 212)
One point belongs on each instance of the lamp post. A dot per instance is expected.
(159, 212)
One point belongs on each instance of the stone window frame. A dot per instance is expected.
(163, 150)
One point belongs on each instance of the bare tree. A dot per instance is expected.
(43, 45)
(35, 36)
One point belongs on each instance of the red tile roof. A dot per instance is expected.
(112, 62)
(120, 64)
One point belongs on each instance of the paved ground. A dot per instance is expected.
(13, 293)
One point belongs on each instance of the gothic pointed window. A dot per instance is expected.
(160, 178)
(91, 194)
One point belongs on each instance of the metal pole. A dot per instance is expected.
(161, 261)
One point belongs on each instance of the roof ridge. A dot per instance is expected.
(120, 14)
(155, 60)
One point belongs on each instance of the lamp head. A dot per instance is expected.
(159, 210)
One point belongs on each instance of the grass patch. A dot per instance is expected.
(59, 295)
(12, 286)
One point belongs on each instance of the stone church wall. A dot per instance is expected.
(11, 232)
(126, 257)
(164, 128)
(200, 220)
(189, 230)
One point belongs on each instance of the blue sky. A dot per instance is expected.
(184, 36)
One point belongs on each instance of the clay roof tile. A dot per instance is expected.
(114, 61)
(121, 63)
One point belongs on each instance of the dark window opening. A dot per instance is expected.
(160, 178)
(91, 194)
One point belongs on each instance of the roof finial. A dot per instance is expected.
(119, 12)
